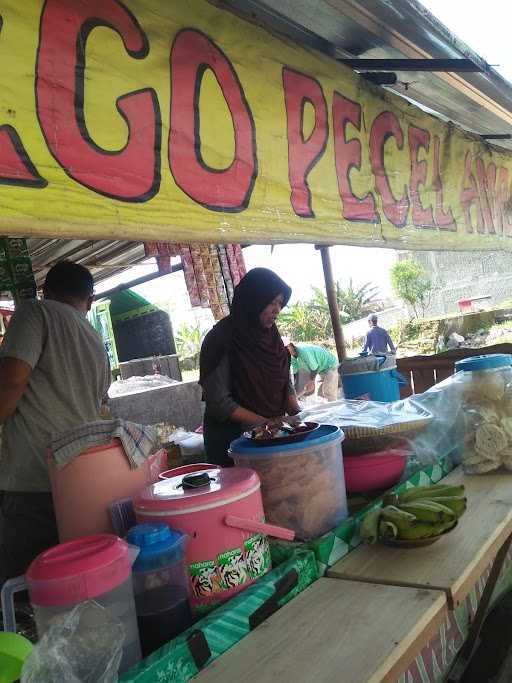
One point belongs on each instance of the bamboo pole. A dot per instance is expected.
(333, 303)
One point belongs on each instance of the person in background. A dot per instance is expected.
(244, 367)
(317, 361)
(54, 373)
(377, 338)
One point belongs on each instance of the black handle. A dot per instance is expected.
(195, 481)
(282, 587)
(199, 648)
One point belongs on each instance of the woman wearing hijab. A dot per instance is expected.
(244, 366)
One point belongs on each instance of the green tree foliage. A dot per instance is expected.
(311, 320)
(188, 344)
(411, 283)
(354, 302)
(303, 323)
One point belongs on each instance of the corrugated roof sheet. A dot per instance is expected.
(103, 258)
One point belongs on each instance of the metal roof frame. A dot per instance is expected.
(480, 102)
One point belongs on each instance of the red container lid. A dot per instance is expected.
(78, 570)
(197, 487)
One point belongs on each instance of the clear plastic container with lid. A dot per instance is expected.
(160, 584)
(302, 483)
(95, 568)
(486, 383)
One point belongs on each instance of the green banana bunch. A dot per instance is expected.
(431, 492)
(419, 520)
(390, 499)
(457, 504)
(420, 512)
(369, 529)
(387, 530)
(425, 530)
(400, 518)
(428, 511)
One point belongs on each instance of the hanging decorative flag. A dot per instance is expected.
(16, 274)
(162, 252)
(190, 276)
(211, 271)
(226, 273)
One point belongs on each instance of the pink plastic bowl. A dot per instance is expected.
(374, 471)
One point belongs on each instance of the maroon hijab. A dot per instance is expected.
(259, 363)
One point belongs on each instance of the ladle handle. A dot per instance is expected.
(261, 527)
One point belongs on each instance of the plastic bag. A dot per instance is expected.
(190, 444)
(444, 434)
(487, 409)
(84, 647)
(430, 424)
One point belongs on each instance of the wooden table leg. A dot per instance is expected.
(467, 651)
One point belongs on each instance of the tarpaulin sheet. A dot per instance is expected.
(181, 122)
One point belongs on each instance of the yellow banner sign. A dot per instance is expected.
(178, 121)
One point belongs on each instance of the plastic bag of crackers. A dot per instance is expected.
(487, 407)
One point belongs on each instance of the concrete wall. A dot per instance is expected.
(461, 275)
(139, 367)
(178, 404)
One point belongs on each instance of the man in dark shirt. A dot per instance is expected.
(377, 338)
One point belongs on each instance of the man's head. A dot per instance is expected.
(290, 346)
(372, 320)
(70, 283)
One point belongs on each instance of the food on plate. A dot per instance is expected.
(416, 514)
(278, 430)
(265, 432)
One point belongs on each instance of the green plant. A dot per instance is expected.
(302, 323)
(411, 283)
(188, 343)
(311, 320)
(354, 302)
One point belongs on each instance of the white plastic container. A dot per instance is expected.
(486, 383)
(302, 483)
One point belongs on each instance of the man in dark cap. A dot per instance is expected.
(54, 373)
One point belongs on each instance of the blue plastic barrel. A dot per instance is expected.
(380, 385)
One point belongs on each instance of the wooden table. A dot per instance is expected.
(454, 563)
(336, 631)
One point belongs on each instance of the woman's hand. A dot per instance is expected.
(247, 417)
(292, 404)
